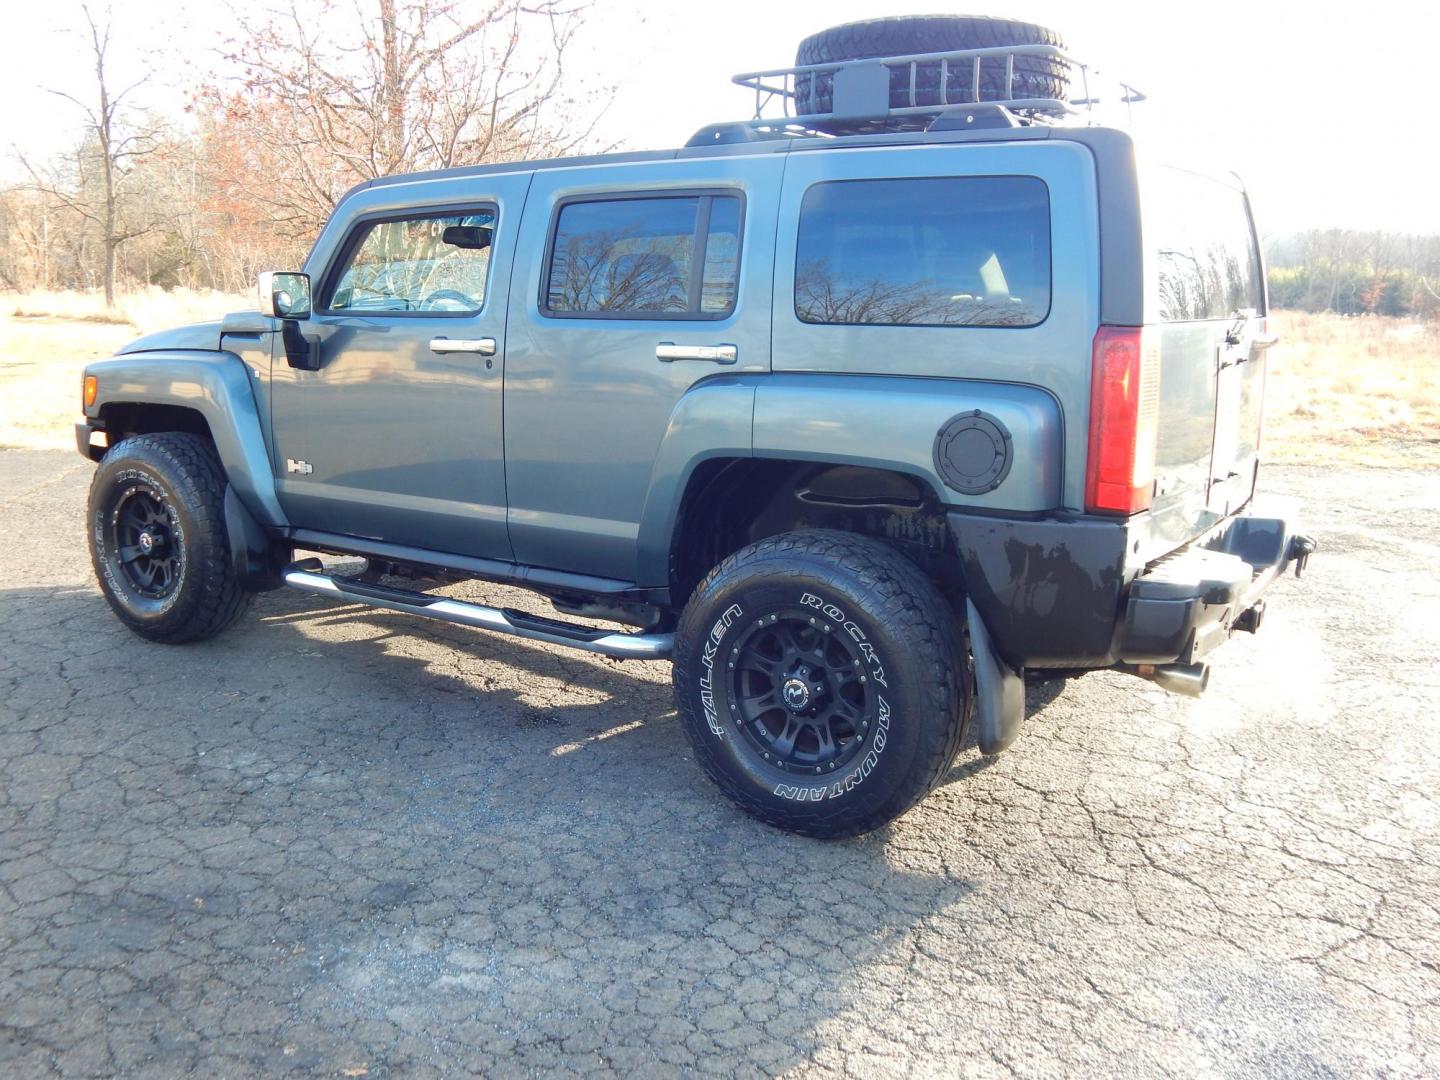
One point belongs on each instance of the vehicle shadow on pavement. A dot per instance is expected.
(336, 837)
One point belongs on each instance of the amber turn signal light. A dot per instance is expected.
(92, 390)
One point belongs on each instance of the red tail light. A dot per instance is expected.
(1124, 408)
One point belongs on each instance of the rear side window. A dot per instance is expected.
(1202, 245)
(674, 257)
(437, 263)
(958, 251)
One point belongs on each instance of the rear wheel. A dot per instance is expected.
(822, 681)
(158, 541)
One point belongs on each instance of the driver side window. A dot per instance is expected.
(437, 263)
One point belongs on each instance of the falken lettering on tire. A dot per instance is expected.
(707, 660)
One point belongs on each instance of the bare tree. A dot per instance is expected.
(92, 182)
(334, 92)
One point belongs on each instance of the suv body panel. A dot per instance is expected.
(1053, 355)
(714, 419)
(888, 423)
(215, 385)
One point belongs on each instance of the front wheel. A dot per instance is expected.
(158, 540)
(823, 682)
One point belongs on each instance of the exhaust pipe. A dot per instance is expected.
(1187, 679)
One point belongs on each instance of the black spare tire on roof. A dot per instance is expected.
(900, 35)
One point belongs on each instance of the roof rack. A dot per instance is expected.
(863, 92)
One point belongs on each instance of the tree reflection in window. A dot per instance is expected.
(964, 251)
(637, 256)
(408, 266)
(1206, 262)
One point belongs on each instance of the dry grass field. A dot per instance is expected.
(1362, 391)
(46, 339)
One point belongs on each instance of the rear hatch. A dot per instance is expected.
(1205, 307)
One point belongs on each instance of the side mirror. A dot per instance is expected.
(285, 295)
(470, 237)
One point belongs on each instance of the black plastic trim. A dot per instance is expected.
(1181, 619)
(83, 429)
(999, 689)
(382, 592)
(1050, 591)
(252, 553)
(554, 626)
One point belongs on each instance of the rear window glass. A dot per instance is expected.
(962, 251)
(666, 257)
(1203, 247)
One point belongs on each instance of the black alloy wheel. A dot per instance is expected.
(801, 692)
(144, 543)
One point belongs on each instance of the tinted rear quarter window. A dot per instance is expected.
(1199, 237)
(947, 251)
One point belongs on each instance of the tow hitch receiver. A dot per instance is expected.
(1301, 548)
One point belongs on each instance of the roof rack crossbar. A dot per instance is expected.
(780, 84)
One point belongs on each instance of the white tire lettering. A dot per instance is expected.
(707, 661)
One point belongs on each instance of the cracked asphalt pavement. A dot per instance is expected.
(343, 842)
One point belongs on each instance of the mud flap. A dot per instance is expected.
(999, 689)
(251, 551)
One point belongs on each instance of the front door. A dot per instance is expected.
(398, 435)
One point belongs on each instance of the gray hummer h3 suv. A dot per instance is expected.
(861, 415)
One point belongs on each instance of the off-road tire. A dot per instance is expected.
(1035, 76)
(179, 473)
(907, 640)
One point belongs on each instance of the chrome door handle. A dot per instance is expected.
(485, 346)
(716, 354)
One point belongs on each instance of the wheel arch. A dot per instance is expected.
(205, 393)
(730, 502)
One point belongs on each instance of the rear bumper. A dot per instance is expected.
(1063, 593)
(1191, 602)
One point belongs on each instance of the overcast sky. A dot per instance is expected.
(1326, 109)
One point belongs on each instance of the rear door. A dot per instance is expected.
(1206, 301)
(632, 284)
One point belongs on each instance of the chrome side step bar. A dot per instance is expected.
(621, 646)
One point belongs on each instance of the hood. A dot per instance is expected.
(204, 335)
